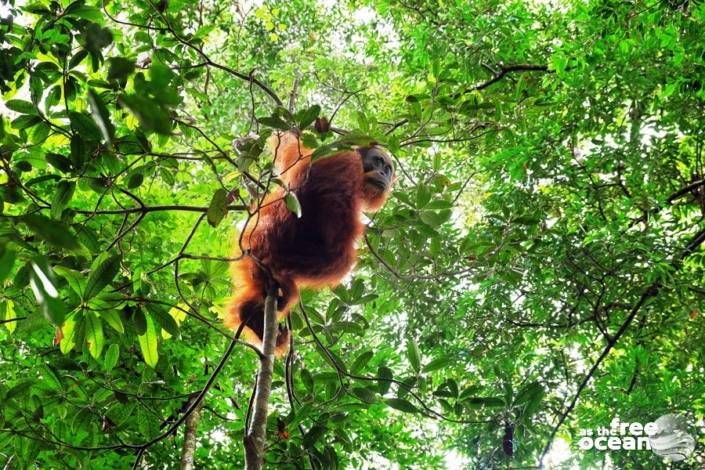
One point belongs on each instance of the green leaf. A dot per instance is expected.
(274, 122)
(218, 207)
(437, 364)
(361, 361)
(385, 375)
(94, 334)
(83, 124)
(307, 116)
(111, 357)
(401, 405)
(528, 393)
(151, 115)
(120, 68)
(113, 318)
(77, 58)
(435, 219)
(75, 279)
(59, 162)
(86, 12)
(165, 320)
(21, 106)
(101, 116)
(477, 402)
(322, 151)
(25, 121)
(43, 285)
(107, 268)
(7, 308)
(70, 329)
(307, 379)
(62, 196)
(364, 394)
(148, 343)
(140, 321)
(293, 204)
(161, 76)
(313, 435)
(412, 353)
(7, 261)
(135, 180)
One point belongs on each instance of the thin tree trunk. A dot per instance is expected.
(190, 434)
(257, 436)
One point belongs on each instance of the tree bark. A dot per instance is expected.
(257, 436)
(190, 434)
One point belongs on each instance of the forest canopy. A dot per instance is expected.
(536, 273)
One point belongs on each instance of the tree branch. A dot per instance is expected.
(190, 434)
(147, 209)
(257, 435)
(503, 72)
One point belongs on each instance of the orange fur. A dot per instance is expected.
(314, 251)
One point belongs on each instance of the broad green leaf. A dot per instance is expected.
(307, 379)
(77, 58)
(7, 261)
(120, 68)
(218, 207)
(51, 379)
(83, 124)
(293, 204)
(361, 362)
(7, 308)
(75, 279)
(413, 354)
(101, 116)
(62, 196)
(106, 269)
(25, 121)
(477, 402)
(313, 435)
(163, 318)
(151, 115)
(364, 394)
(178, 315)
(306, 117)
(86, 12)
(59, 162)
(23, 107)
(113, 318)
(385, 375)
(140, 321)
(51, 231)
(111, 357)
(401, 405)
(94, 334)
(437, 364)
(148, 343)
(70, 329)
(274, 122)
(135, 180)
(43, 285)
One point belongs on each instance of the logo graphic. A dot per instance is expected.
(671, 441)
(666, 437)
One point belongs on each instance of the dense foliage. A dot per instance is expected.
(538, 270)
